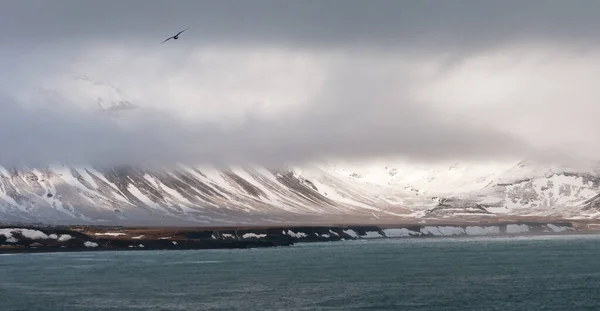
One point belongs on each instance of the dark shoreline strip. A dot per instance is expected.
(129, 239)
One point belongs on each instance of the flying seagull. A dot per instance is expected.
(175, 37)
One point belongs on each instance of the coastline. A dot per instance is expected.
(19, 239)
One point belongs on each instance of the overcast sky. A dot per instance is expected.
(282, 81)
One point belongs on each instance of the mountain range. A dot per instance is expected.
(320, 192)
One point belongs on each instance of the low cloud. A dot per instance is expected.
(231, 107)
(297, 82)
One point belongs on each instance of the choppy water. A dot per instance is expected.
(546, 273)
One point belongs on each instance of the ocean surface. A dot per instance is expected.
(522, 273)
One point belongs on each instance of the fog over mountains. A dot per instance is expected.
(379, 190)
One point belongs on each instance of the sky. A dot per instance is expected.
(273, 82)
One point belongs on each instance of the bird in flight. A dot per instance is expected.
(175, 37)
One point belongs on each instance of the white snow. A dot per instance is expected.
(110, 233)
(295, 235)
(443, 231)
(174, 193)
(4, 171)
(49, 188)
(27, 233)
(426, 178)
(339, 194)
(351, 233)
(431, 230)
(142, 197)
(450, 230)
(151, 180)
(249, 178)
(65, 237)
(399, 232)
(94, 172)
(371, 235)
(395, 188)
(213, 176)
(67, 176)
(90, 244)
(115, 190)
(253, 235)
(87, 177)
(8, 199)
(476, 230)
(556, 228)
(53, 236)
(7, 233)
(513, 228)
(137, 237)
(281, 196)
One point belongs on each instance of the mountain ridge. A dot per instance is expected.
(256, 195)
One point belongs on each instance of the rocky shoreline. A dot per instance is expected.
(38, 239)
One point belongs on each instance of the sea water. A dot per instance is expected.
(522, 273)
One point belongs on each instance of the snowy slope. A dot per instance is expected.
(183, 194)
(316, 192)
(455, 189)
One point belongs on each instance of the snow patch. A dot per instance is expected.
(517, 228)
(296, 235)
(351, 233)
(27, 233)
(401, 232)
(476, 230)
(64, 237)
(7, 233)
(151, 180)
(253, 235)
(90, 244)
(442, 230)
(447, 230)
(371, 235)
(109, 233)
(142, 197)
(556, 228)
(430, 231)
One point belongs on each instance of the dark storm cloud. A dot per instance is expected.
(460, 24)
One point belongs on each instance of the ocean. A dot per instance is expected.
(490, 273)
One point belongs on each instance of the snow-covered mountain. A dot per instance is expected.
(311, 193)
(335, 192)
